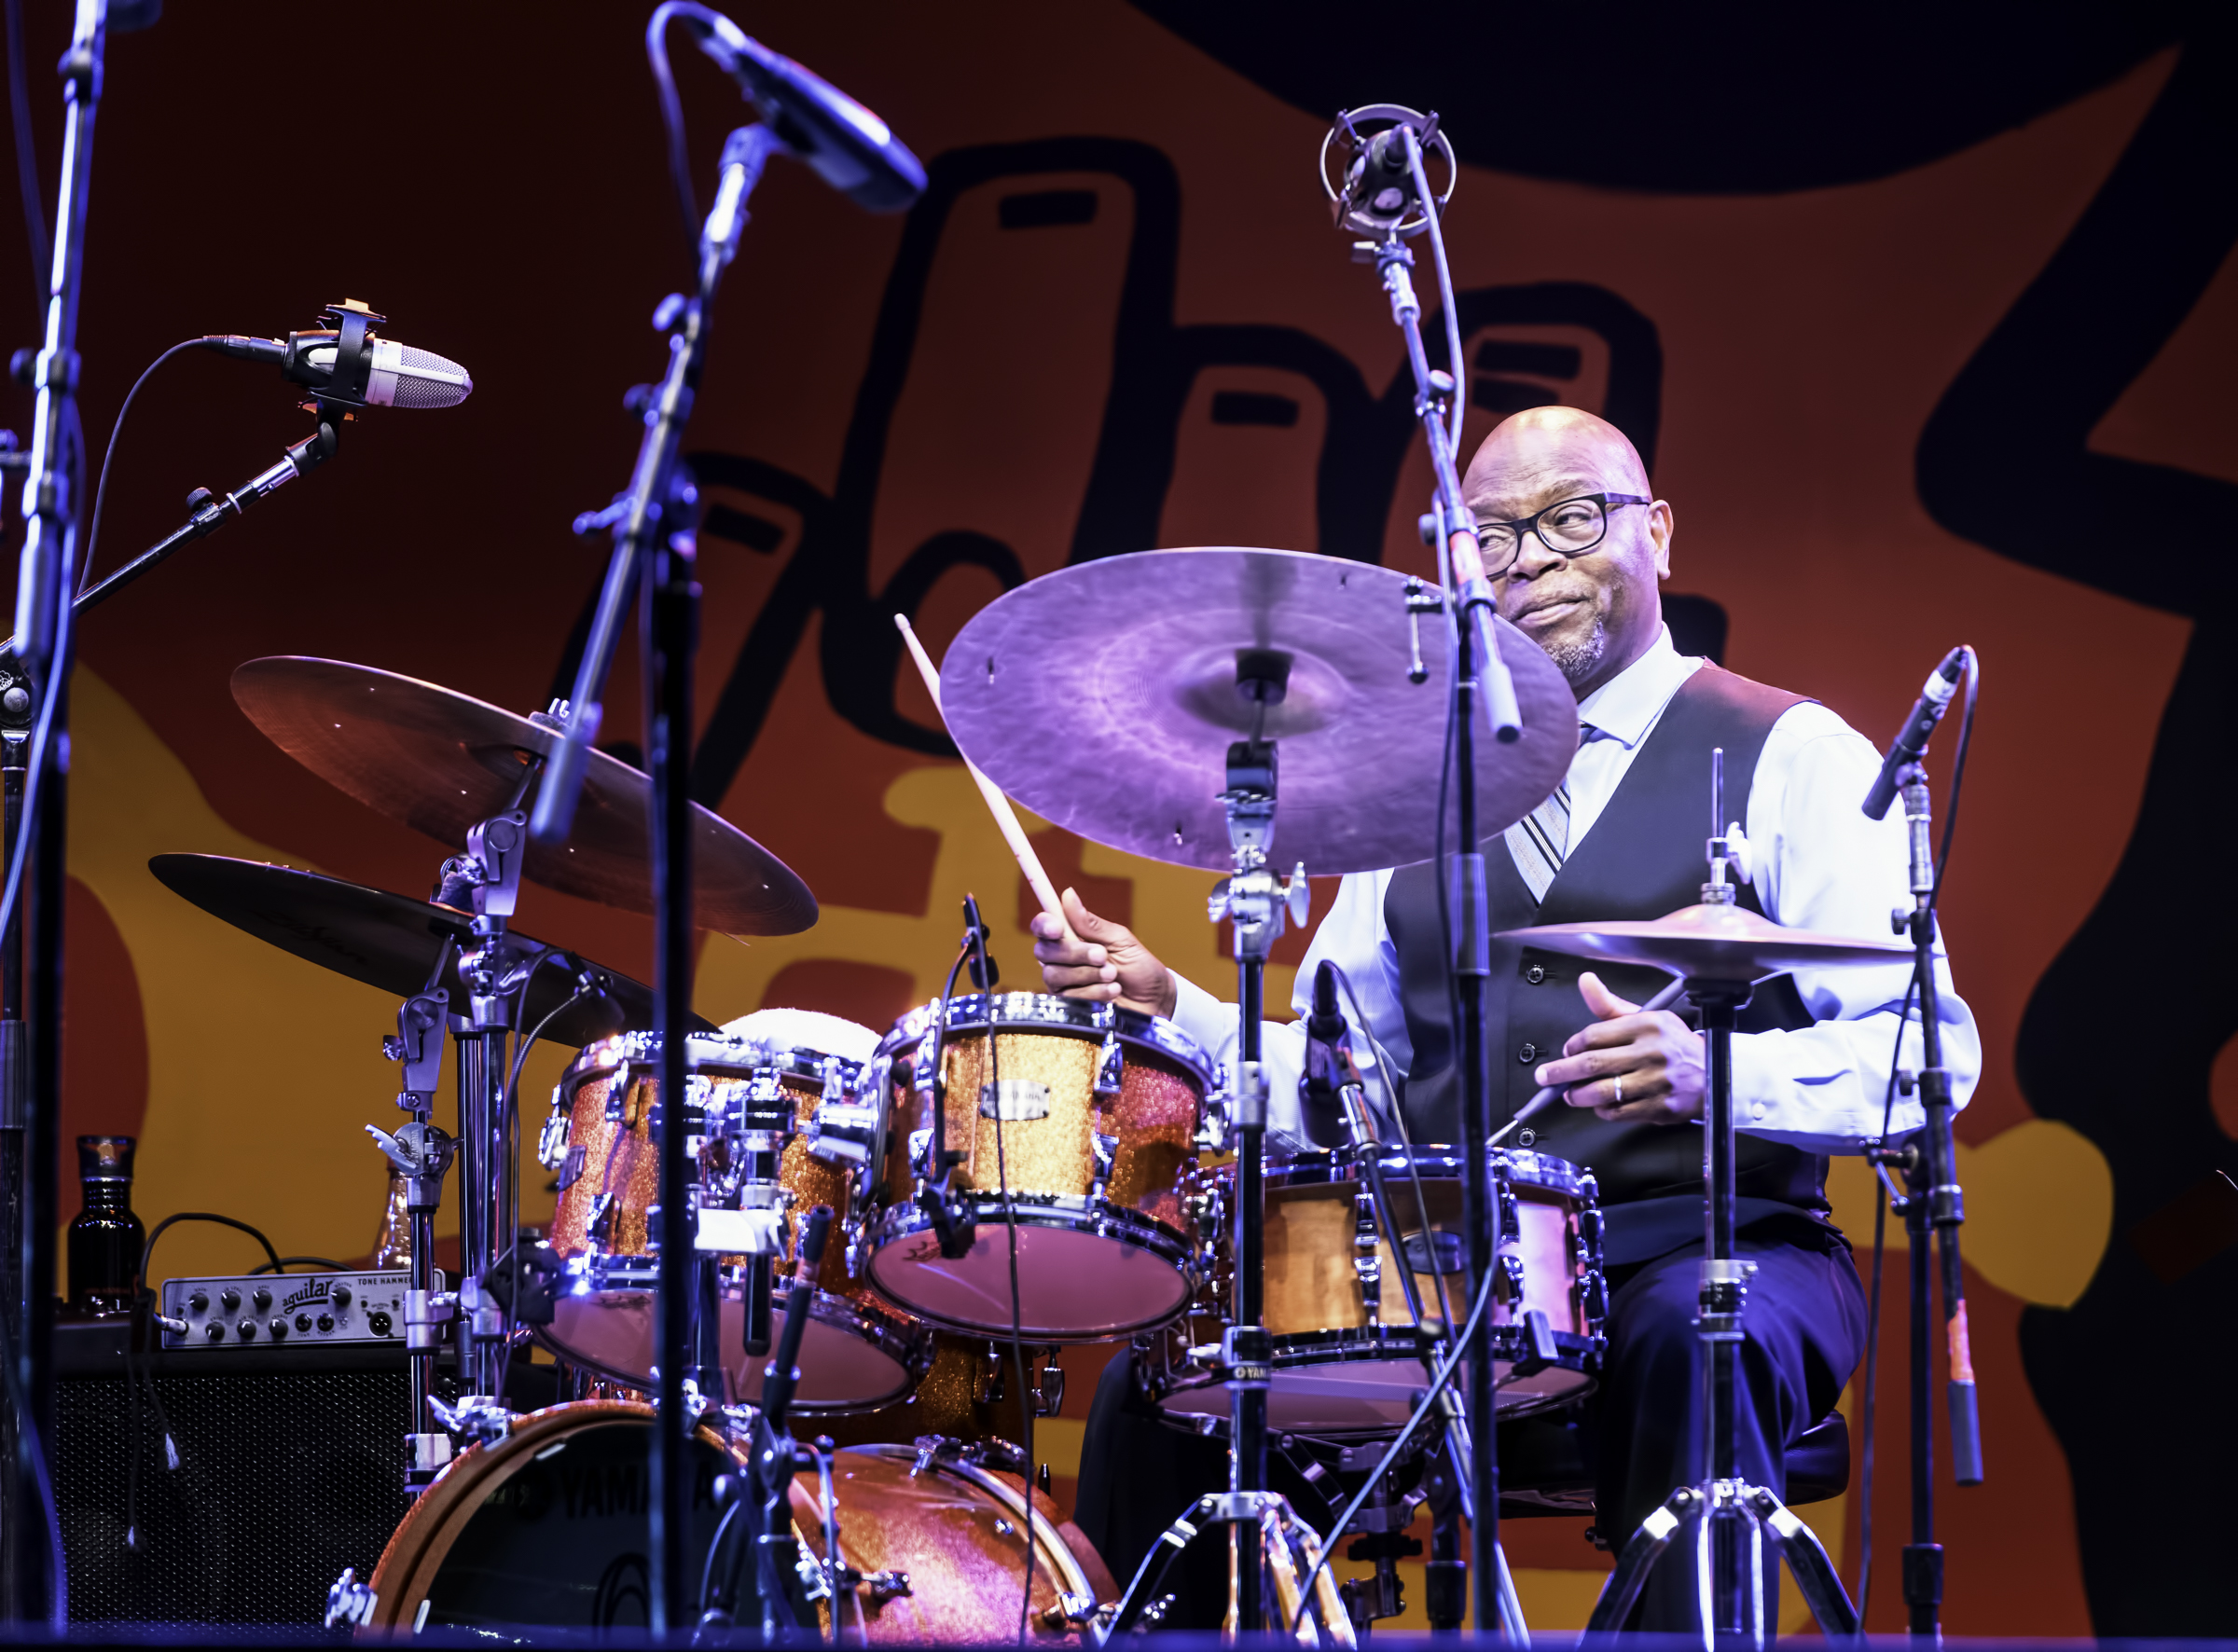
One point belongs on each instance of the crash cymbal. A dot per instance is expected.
(1708, 942)
(1103, 696)
(390, 942)
(440, 761)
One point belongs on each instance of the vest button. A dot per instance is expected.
(1534, 975)
(1528, 1055)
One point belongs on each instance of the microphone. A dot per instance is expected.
(1911, 743)
(852, 150)
(388, 374)
(782, 1374)
(1328, 1048)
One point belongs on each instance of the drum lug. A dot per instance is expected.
(1110, 1067)
(1511, 1215)
(599, 1229)
(551, 1141)
(1367, 1261)
(1107, 1155)
(1072, 1611)
(1049, 1387)
(1510, 1275)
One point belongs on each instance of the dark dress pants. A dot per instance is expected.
(1805, 1320)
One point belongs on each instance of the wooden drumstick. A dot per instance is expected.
(1007, 819)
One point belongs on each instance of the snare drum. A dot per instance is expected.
(1346, 1358)
(603, 1139)
(1094, 1110)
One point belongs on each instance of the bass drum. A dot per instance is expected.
(545, 1527)
(936, 1537)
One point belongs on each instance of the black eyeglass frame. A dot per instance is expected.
(1526, 525)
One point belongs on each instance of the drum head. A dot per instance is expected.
(1085, 1273)
(851, 1360)
(1335, 1390)
(548, 1527)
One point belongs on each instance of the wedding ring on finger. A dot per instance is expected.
(1620, 1090)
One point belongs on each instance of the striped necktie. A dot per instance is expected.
(1541, 839)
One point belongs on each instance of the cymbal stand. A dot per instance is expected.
(1731, 1518)
(1932, 1200)
(1256, 902)
(15, 1099)
(489, 1220)
(421, 1153)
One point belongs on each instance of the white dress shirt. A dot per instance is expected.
(1818, 865)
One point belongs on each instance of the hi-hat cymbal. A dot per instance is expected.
(390, 942)
(440, 761)
(1103, 697)
(1719, 943)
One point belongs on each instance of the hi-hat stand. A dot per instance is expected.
(1730, 1516)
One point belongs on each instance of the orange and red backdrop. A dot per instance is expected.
(1923, 322)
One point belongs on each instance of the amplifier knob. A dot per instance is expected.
(216, 1331)
(341, 1296)
(279, 1328)
(303, 1322)
(325, 1322)
(199, 1302)
(248, 1331)
(229, 1298)
(262, 1298)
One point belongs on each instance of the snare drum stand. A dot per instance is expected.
(1256, 902)
(1722, 1507)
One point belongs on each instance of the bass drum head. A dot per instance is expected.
(546, 1527)
(958, 1531)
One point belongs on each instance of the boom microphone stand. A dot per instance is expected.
(1388, 196)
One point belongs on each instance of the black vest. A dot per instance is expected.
(1643, 857)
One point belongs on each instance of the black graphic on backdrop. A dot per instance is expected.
(1156, 365)
(2120, 1032)
(1702, 100)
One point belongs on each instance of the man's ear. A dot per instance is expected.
(1662, 525)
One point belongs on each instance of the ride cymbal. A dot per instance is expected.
(1103, 696)
(440, 761)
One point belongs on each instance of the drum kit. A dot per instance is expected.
(1105, 1143)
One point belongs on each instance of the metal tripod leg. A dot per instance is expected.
(1621, 1594)
(1701, 1507)
(1813, 1573)
(1511, 1605)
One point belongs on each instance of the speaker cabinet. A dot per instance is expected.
(290, 1467)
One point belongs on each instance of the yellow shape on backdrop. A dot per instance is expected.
(262, 1069)
(2039, 1208)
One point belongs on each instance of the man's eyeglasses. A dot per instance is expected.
(1570, 528)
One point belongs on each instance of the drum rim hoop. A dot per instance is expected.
(1049, 1013)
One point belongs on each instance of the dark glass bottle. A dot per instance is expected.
(106, 1238)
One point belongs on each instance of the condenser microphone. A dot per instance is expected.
(851, 148)
(394, 374)
(1911, 742)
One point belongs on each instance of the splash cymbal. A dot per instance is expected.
(440, 761)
